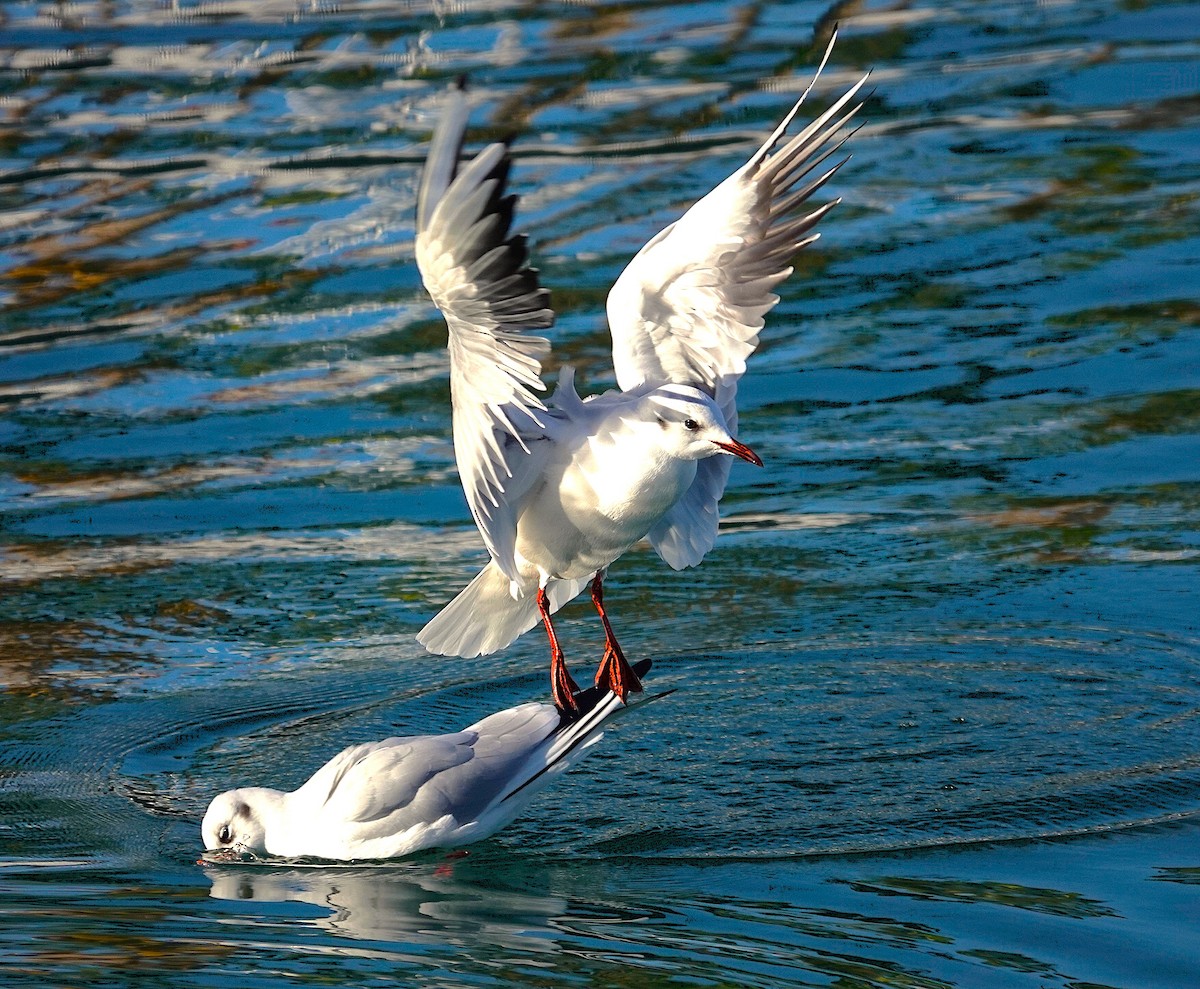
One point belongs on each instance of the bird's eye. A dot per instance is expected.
(691, 424)
(225, 835)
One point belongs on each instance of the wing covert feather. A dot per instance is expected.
(376, 780)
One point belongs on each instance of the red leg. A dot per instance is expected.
(614, 670)
(562, 687)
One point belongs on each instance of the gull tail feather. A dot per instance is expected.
(485, 617)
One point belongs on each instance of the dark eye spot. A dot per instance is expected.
(691, 424)
(225, 835)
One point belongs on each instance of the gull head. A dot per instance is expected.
(235, 822)
(692, 426)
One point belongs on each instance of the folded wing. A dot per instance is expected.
(373, 785)
(478, 274)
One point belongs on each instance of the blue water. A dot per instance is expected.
(936, 718)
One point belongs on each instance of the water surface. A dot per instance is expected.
(935, 719)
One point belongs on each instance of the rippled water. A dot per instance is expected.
(938, 706)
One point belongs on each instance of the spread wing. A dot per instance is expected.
(689, 307)
(478, 274)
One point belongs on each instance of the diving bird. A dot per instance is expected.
(560, 489)
(402, 795)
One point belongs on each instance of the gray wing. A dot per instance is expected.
(505, 754)
(372, 783)
(383, 788)
(478, 275)
(689, 307)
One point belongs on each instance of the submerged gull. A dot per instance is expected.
(561, 489)
(401, 795)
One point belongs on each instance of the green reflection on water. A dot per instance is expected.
(1056, 902)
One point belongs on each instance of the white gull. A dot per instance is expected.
(560, 489)
(401, 795)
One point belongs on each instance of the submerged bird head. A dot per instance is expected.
(235, 820)
(692, 425)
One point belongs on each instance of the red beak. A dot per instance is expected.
(741, 450)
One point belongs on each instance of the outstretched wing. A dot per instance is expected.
(689, 307)
(478, 274)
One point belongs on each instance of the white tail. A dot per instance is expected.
(485, 617)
